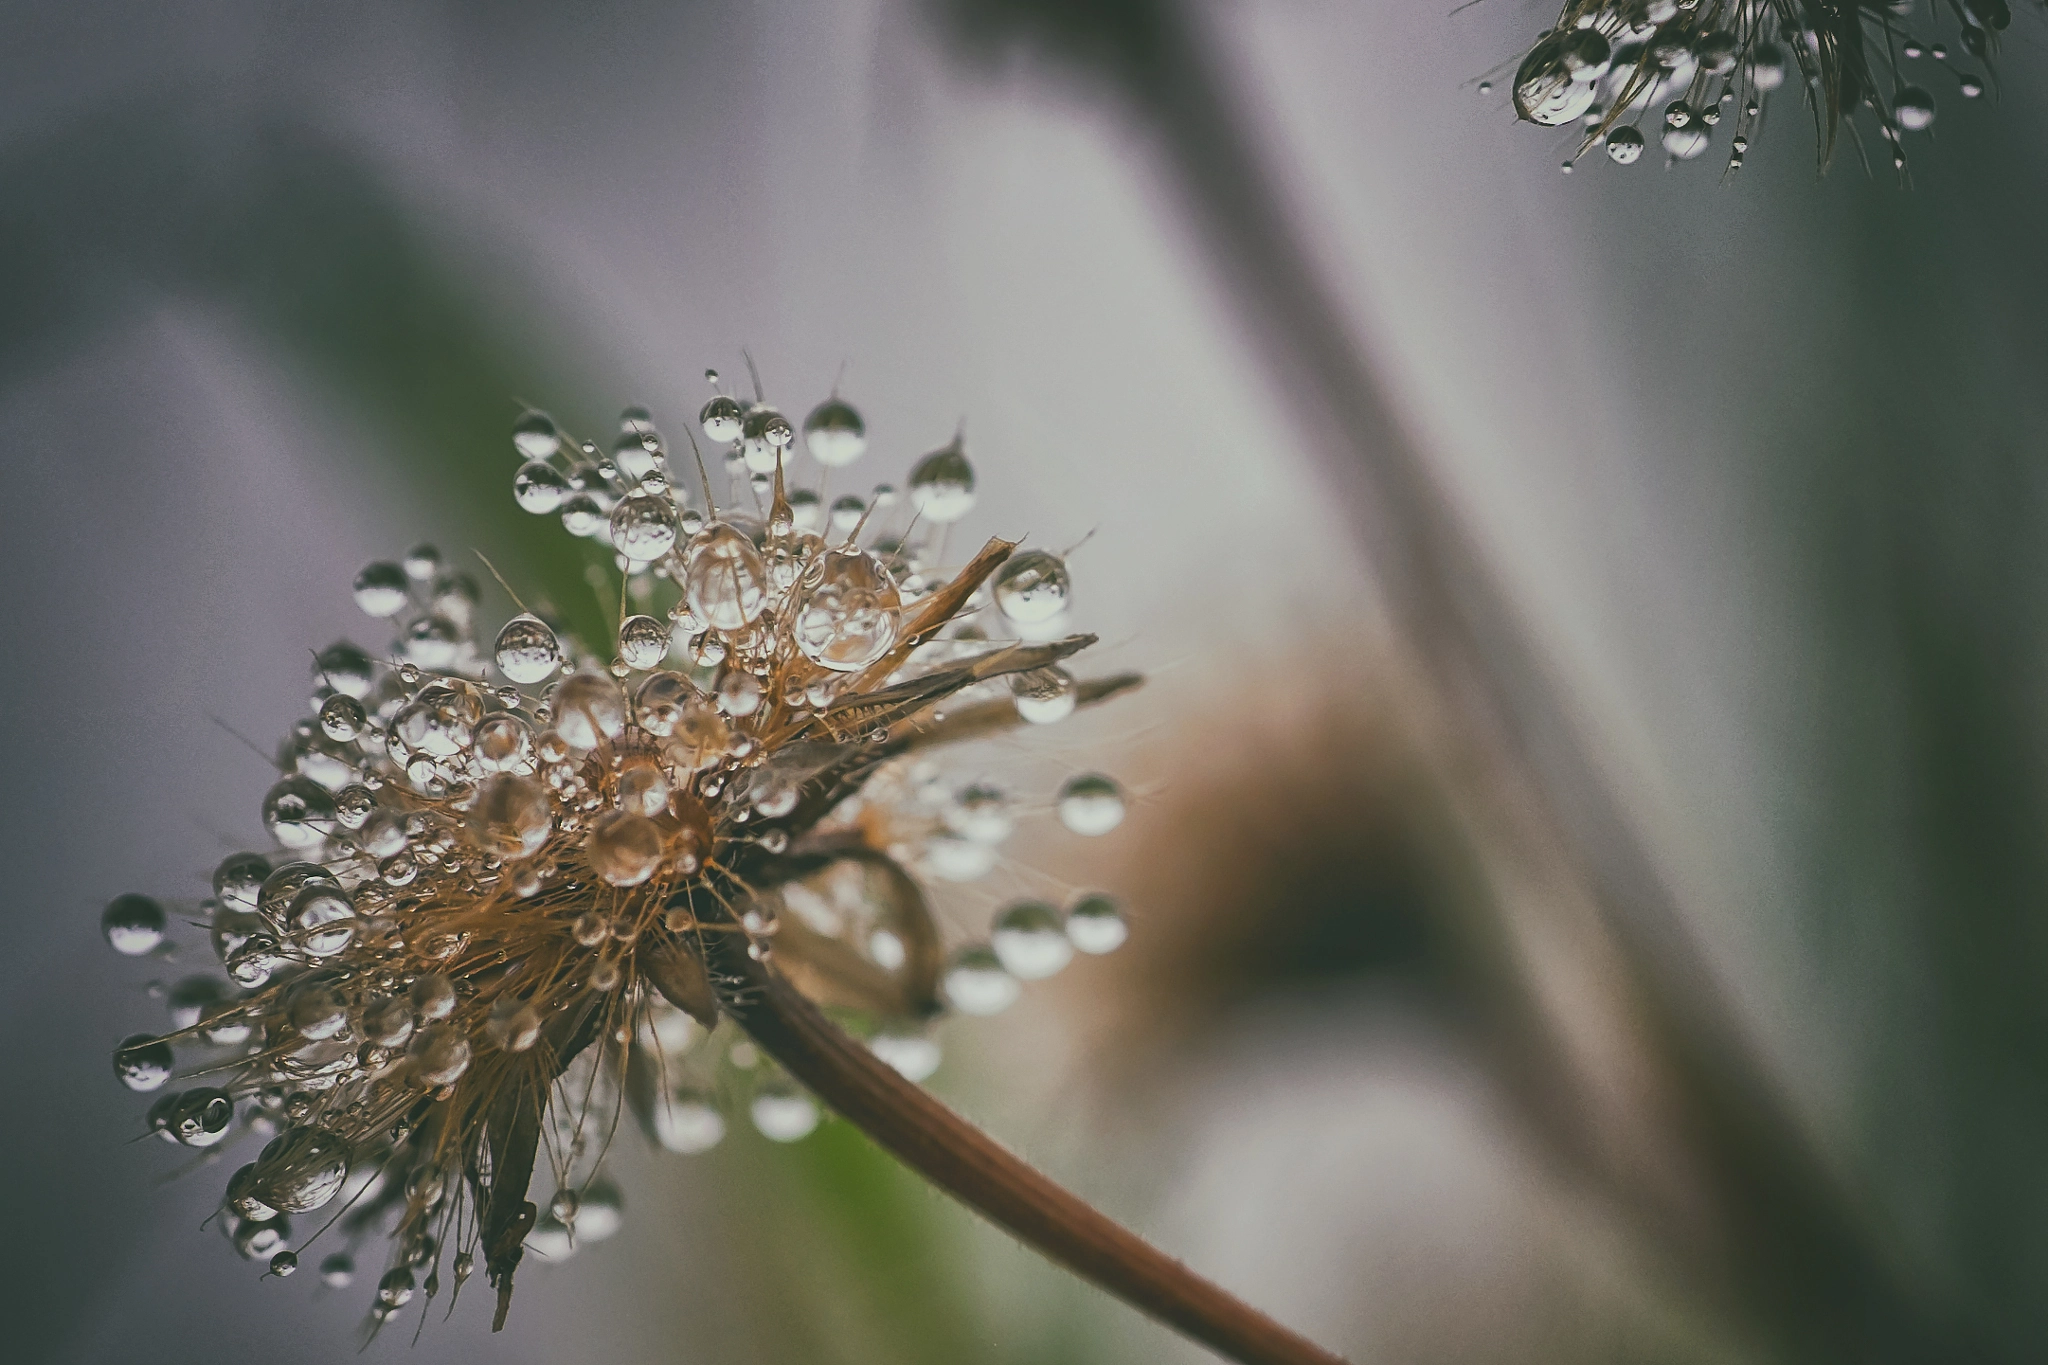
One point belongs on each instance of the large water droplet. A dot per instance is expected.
(976, 983)
(589, 708)
(322, 919)
(1545, 92)
(1095, 924)
(534, 435)
(1624, 146)
(1913, 108)
(527, 650)
(850, 619)
(382, 589)
(540, 488)
(200, 1117)
(133, 924)
(942, 484)
(644, 527)
(513, 1025)
(835, 434)
(143, 1062)
(643, 641)
(511, 817)
(298, 812)
(301, 1169)
(764, 435)
(1030, 940)
(686, 1122)
(439, 1054)
(783, 1113)
(1091, 804)
(725, 580)
(721, 419)
(624, 849)
(1032, 587)
(1044, 695)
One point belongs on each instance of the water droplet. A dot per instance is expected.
(981, 813)
(644, 527)
(942, 484)
(976, 983)
(503, 742)
(643, 642)
(1913, 108)
(439, 1054)
(527, 650)
(1545, 92)
(1766, 67)
(1032, 587)
(431, 642)
(725, 579)
(396, 1287)
(1716, 52)
(322, 919)
(1030, 941)
(200, 1117)
(432, 996)
(1624, 146)
(534, 435)
(764, 435)
(301, 1169)
(1095, 924)
(338, 1271)
(589, 709)
(298, 812)
(511, 817)
(835, 434)
(1970, 87)
(1091, 804)
(850, 618)
(284, 1264)
(513, 1025)
(540, 488)
(739, 693)
(133, 925)
(915, 1056)
(345, 667)
(721, 419)
(783, 1113)
(624, 849)
(381, 589)
(686, 1122)
(342, 717)
(143, 1062)
(387, 1021)
(659, 703)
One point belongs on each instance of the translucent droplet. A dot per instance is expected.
(439, 1054)
(1585, 54)
(739, 693)
(387, 1021)
(513, 1025)
(322, 919)
(1913, 108)
(976, 983)
(850, 618)
(942, 484)
(1095, 924)
(540, 488)
(637, 455)
(643, 642)
(432, 996)
(511, 817)
(342, 717)
(725, 580)
(721, 419)
(382, 589)
(527, 650)
(301, 1169)
(534, 435)
(133, 925)
(1766, 67)
(502, 742)
(589, 709)
(143, 1062)
(644, 527)
(1030, 940)
(1091, 804)
(431, 642)
(200, 1117)
(346, 668)
(396, 1288)
(338, 1271)
(1716, 52)
(256, 1241)
(298, 812)
(659, 703)
(764, 435)
(284, 1264)
(1044, 695)
(846, 513)
(915, 1056)
(1032, 587)
(624, 849)
(783, 1113)
(1624, 146)
(422, 563)
(686, 1122)
(601, 1211)
(642, 786)
(835, 434)
(1545, 91)
(239, 879)
(981, 813)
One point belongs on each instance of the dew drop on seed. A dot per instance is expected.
(1091, 804)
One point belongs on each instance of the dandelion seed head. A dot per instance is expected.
(497, 856)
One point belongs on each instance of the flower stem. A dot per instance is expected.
(971, 1166)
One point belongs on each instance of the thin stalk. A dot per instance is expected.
(968, 1164)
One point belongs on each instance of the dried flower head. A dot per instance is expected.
(1676, 70)
(503, 883)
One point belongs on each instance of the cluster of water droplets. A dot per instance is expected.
(471, 845)
(1676, 70)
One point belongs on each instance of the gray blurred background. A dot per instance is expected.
(1759, 462)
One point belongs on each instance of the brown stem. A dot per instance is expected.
(972, 1167)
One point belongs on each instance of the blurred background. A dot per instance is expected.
(1754, 465)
